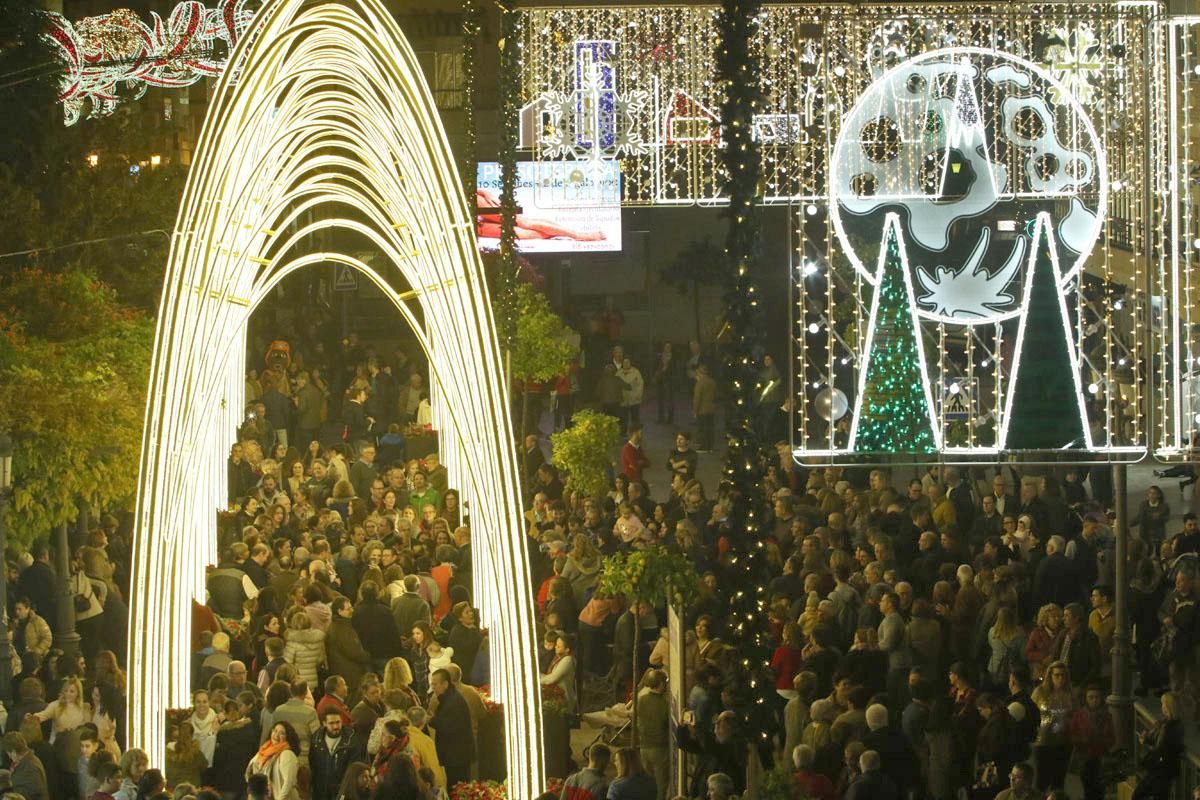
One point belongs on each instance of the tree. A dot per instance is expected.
(544, 346)
(894, 413)
(1045, 409)
(581, 451)
(110, 218)
(652, 575)
(74, 367)
(698, 264)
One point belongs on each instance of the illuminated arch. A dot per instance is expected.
(325, 110)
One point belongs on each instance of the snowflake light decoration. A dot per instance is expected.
(1075, 62)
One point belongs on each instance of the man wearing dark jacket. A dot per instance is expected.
(38, 584)
(452, 721)
(410, 608)
(722, 749)
(1080, 649)
(343, 648)
(899, 762)
(1055, 580)
(333, 747)
(873, 783)
(376, 627)
(237, 743)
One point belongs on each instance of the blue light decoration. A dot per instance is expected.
(595, 94)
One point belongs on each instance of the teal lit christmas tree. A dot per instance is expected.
(894, 411)
(1044, 409)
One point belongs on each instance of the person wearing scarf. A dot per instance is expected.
(395, 741)
(278, 760)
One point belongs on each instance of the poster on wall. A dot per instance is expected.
(562, 206)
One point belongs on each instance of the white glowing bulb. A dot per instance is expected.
(955, 388)
(1093, 388)
(811, 209)
(809, 268)
(1196, 243)
(814, 327)
(1121, 362)
(1117, 306)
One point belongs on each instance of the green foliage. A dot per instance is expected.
(74, 366)
(544, 345)
(779, 783)
(655, 575)
(581, 451)
(894, 416)
(1045, 414)
(510, 103)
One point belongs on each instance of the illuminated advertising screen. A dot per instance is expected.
(562, 206)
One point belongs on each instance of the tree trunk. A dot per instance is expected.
(637, 635)
(524, 412)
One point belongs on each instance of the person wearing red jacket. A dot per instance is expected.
(1091, 732)
(633, 458)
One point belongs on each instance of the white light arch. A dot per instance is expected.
(325, 109)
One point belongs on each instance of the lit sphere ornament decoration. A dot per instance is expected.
(831, 404)
(968, 146)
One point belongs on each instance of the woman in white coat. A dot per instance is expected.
(278, 759)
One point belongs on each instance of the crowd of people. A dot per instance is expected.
(948, 634)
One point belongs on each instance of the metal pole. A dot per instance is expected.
(1121, 701)
(66, 639)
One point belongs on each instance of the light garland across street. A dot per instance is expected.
(329, 114)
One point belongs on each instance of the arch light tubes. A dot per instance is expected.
(326, 109)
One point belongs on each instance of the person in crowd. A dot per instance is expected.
(278, 759)
(330, 754)
(452, 721)
(27, 774)
(632, 782)
(591, 782)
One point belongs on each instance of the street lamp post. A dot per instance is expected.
(5, 639)
(65, 638)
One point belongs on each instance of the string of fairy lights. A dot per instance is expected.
(1178, 244)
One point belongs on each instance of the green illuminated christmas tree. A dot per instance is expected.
(1044, 409)
(894, 415)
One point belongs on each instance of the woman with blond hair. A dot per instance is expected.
(398, 676)
(1044, 639)
(1055, 700)
(304, 647)
(1163, 746)
(582, 569)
